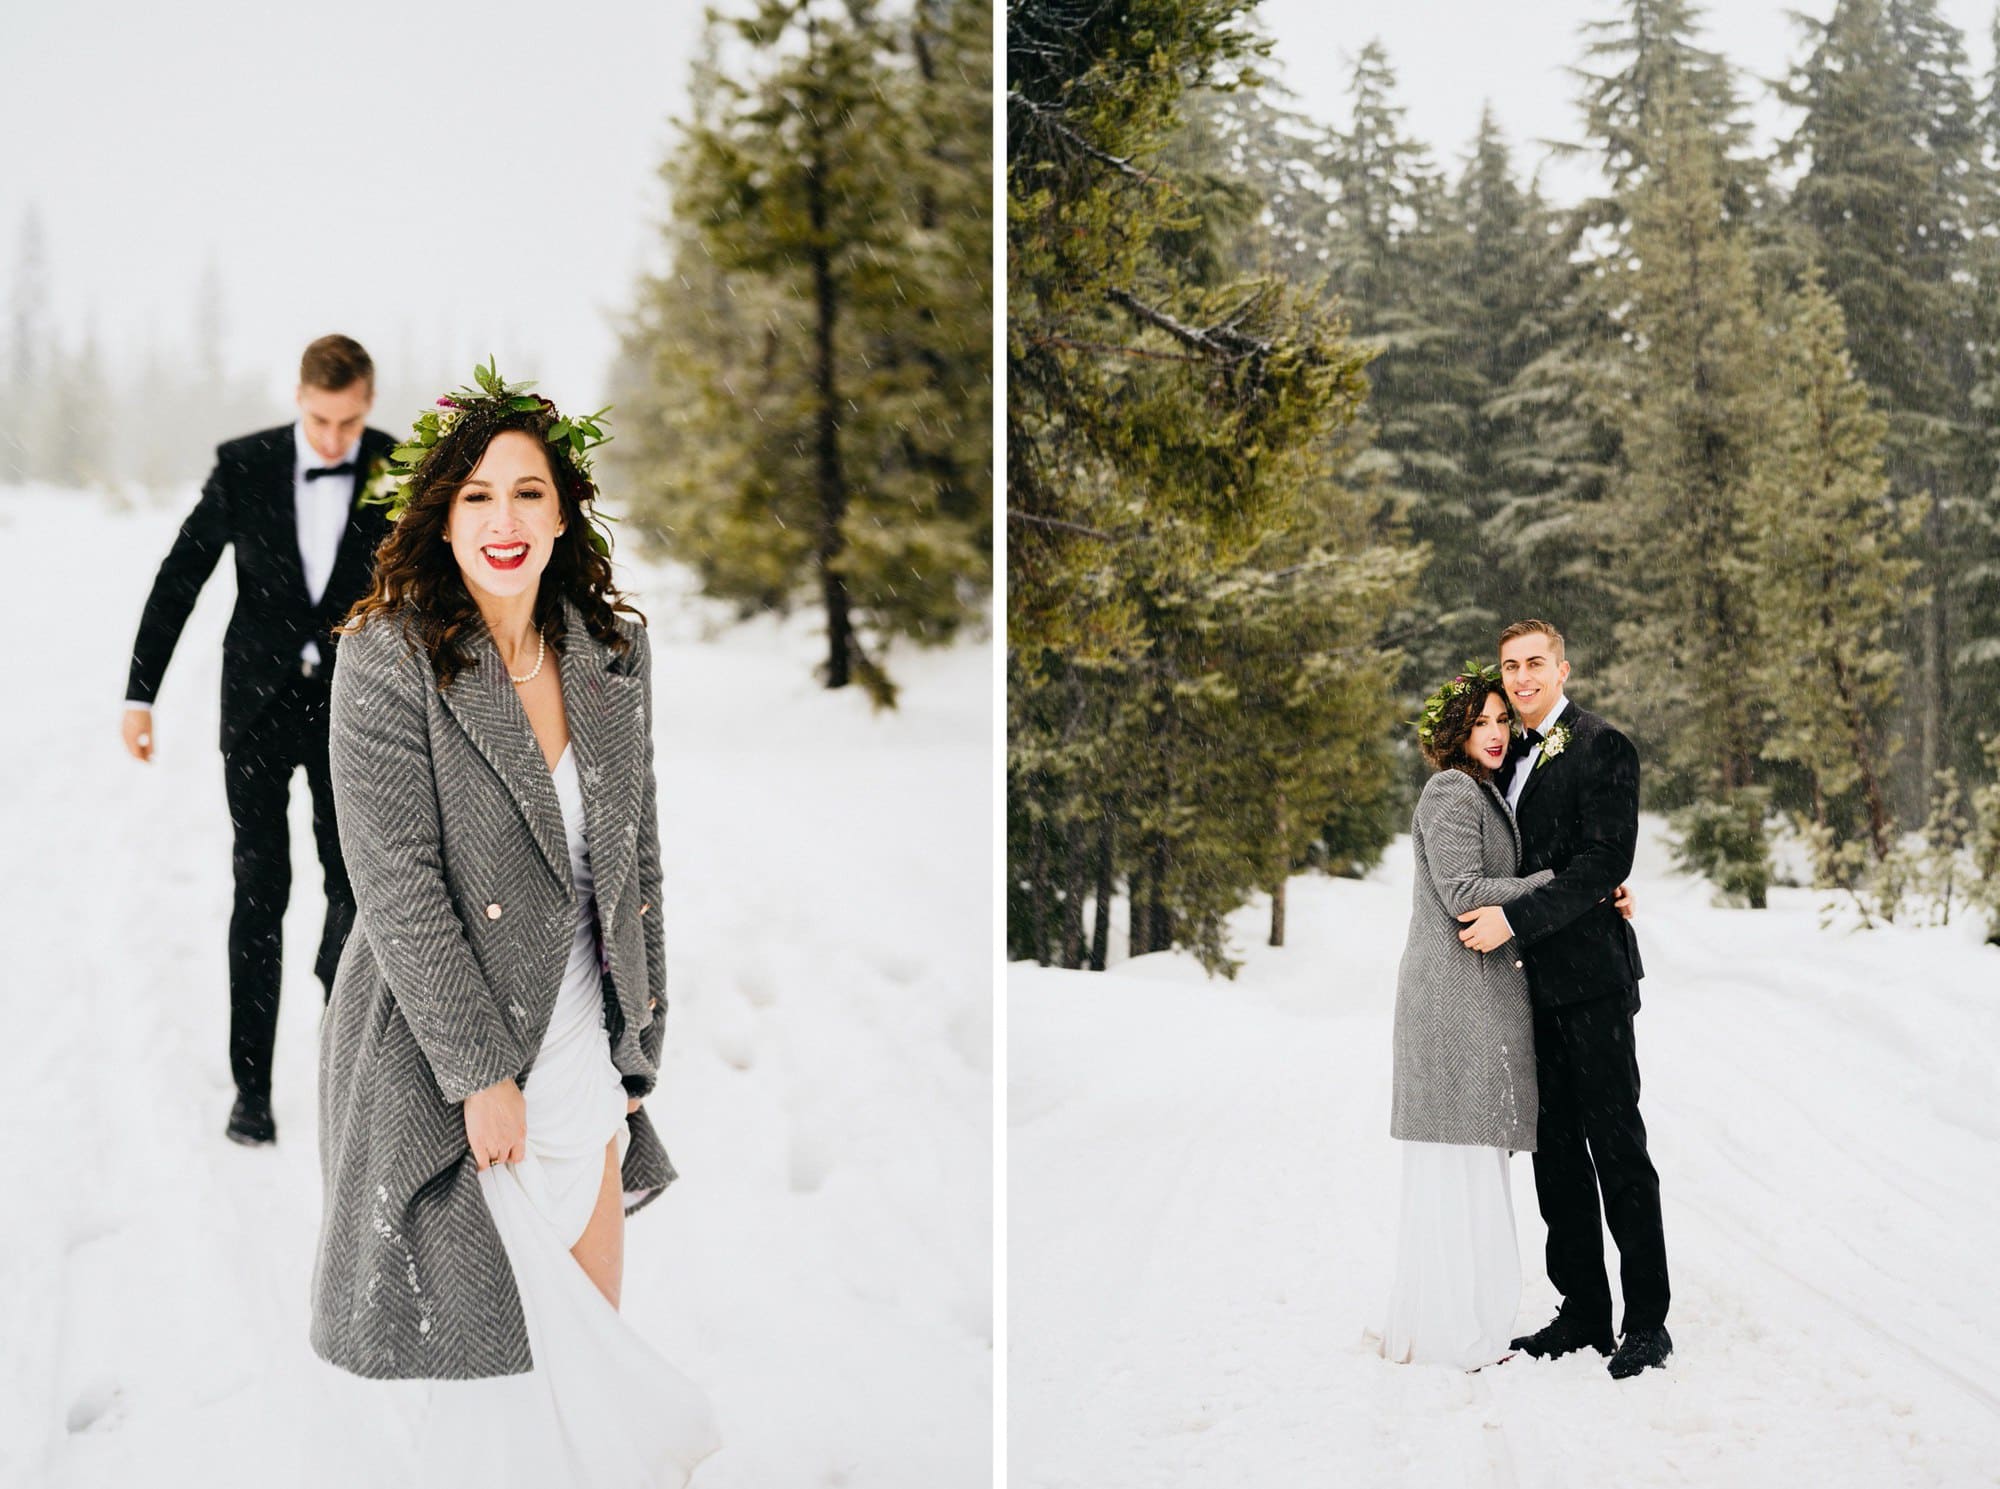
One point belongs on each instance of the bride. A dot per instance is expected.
(496, 1020)
(1464, 1046)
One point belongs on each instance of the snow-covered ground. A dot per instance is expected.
(824, 1266)
(1202, 1206)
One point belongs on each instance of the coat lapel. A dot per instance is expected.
(1499, 799)
(1544, 763)
(356, 550)
(484, 702)
(607, 731)
(283, 476)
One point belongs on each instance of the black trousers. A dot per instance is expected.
(1589, 1140)
(257, 777)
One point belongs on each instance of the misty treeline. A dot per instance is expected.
(76, 411)
(805, 393)
(1299, 418)
(143, 410)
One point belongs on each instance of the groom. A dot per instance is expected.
(305, 552)
(1574, 787)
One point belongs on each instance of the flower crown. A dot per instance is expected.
(1476, 675)
(574, 438)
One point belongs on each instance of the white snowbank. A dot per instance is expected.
(1202, 1207)
(824, 1266)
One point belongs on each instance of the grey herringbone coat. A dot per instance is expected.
(454, 841)
(1465, 1039)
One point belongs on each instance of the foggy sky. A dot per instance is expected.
(1450, 55)
(444, 181)
(439, 181)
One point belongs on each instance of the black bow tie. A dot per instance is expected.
(1532, 737)
(345, 468)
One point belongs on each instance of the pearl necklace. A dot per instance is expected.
(541, 651)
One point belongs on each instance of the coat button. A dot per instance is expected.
(1517, 964)
(645, 907)
(492, 912)
(651, 1004)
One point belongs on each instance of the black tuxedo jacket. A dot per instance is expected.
(247, 502)
(1579, 817)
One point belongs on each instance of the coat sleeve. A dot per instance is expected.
(1448, 815)
(653, 921)
(197, 549)
(386, 806)
(1607, 814)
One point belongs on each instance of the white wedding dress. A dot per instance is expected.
(1458, 1265)
(600, 1407)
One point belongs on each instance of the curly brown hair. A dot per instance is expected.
(1445, 749)
(418, 580)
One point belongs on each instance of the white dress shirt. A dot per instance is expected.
(321, 509)
(1525, 766)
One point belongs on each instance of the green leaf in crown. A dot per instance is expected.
(1480, 675)
(575, 436)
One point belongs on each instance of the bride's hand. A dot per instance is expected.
(1622, 901)
(496, 1124)
(1486, 928)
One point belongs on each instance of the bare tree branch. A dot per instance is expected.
(1056, 522)
(1223, 341)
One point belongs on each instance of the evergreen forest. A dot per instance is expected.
(1301, 412)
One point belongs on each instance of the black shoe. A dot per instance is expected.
(1561, 1336)
(251, 1122)
(1641, 1349)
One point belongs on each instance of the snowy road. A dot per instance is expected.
(1203, 1203)
(824, 1266)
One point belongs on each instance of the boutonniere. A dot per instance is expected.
(1552, 744)
(382, 487)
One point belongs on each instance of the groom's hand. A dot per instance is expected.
(137, 728)
(1485, 928)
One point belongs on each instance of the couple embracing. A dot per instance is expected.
(1514, 1026)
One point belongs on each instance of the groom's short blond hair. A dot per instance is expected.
(1532, 628)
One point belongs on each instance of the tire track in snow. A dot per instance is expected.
(1755, 1252)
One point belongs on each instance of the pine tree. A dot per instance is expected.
(74, 418)
(31, 353)
(1140, 404)
(1556, 450)
(1658, 57)
(1566, 523)
(1257, 165)
(845, 426)
(1983, 889)
(208, 327)
(1698, 404)
(697, 349)
(1211, 766)
(1505, 266)
(1392, 256)
(1828, 578)
(1976, 659)
(1302, 710)
(1178, 556)
(1891, 193)
(950, 433)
